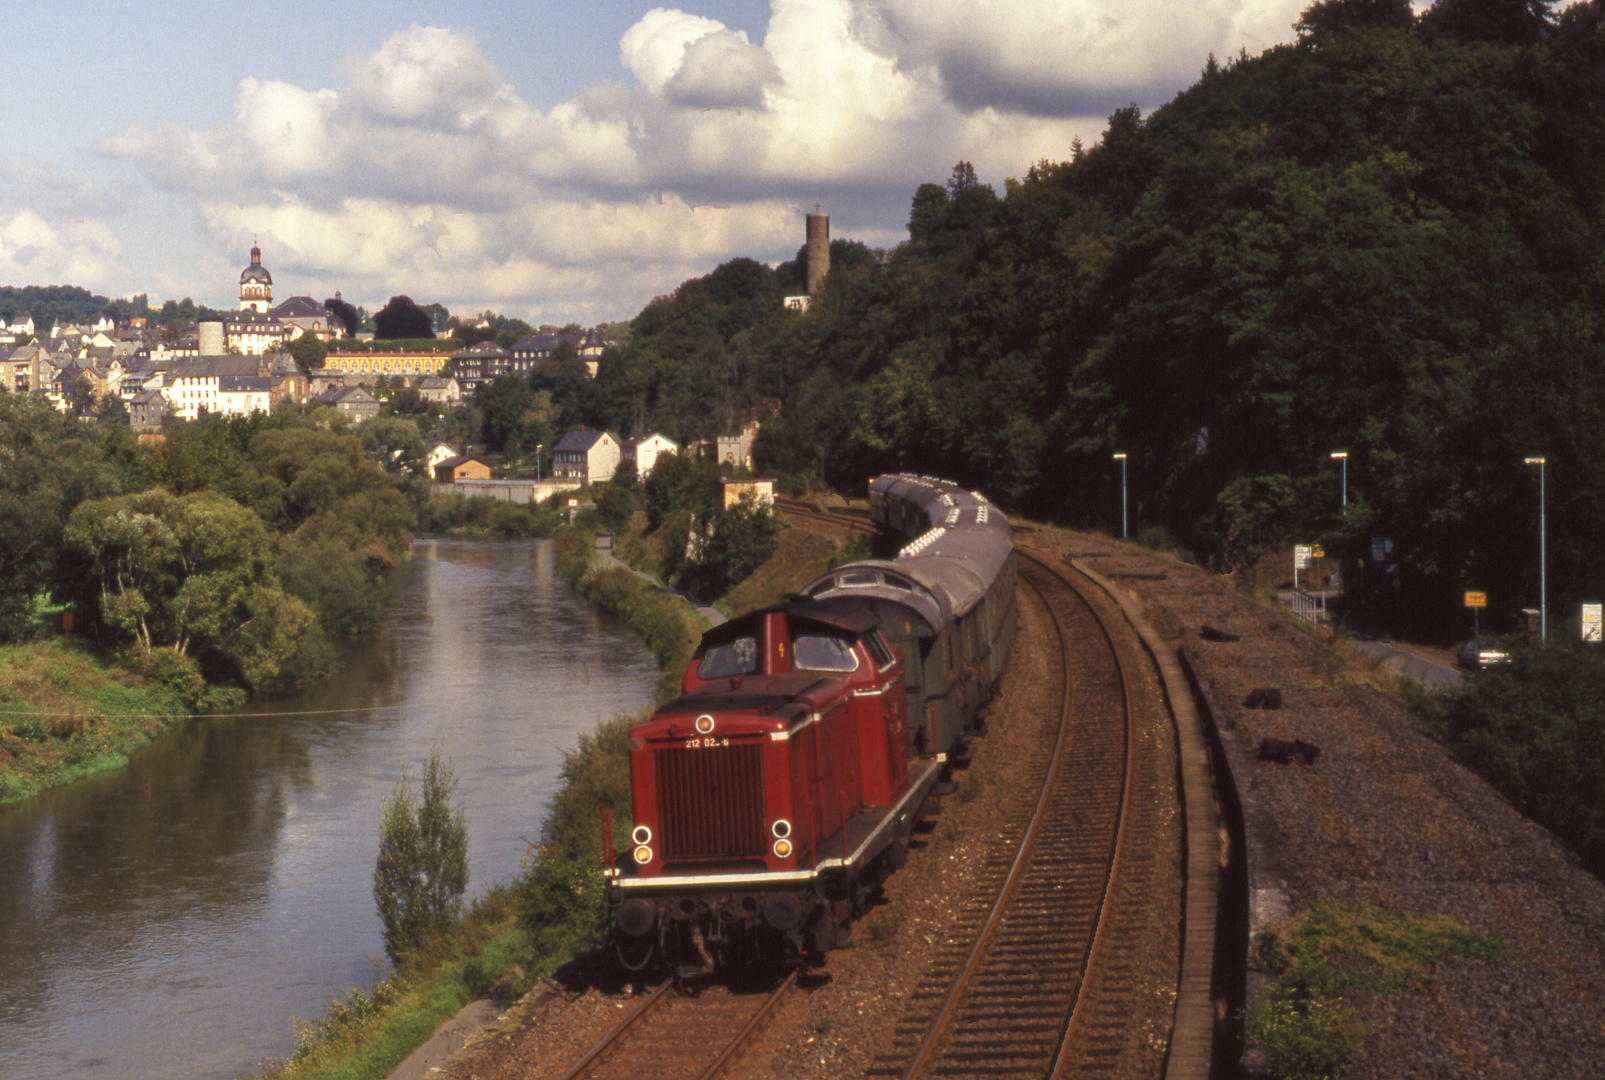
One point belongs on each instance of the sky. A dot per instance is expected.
(553, 162)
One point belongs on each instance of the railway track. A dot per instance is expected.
(673, 1034)
(1031, 978)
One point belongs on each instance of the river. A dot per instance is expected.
(172, 918)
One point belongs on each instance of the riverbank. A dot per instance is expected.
(66, 713)
(558, 901)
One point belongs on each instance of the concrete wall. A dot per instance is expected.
(518, 491)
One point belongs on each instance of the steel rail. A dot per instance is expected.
(614, 1037)
(939, 1023)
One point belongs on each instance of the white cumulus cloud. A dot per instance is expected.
(53, 230)
(426, 172)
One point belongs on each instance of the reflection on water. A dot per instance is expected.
(171, 919)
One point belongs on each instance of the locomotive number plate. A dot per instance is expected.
(705, 744)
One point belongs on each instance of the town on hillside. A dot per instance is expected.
(324, 353)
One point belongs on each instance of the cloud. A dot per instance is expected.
(426, 172)
(722, 70)
(1069, 57)
(52, 230)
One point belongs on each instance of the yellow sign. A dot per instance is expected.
(1318, 552)
(1476, 599)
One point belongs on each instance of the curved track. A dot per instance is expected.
(695, 1035)
(1029, 980)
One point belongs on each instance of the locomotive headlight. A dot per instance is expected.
(782, 849)
(643, 854)
(781, 828)
(642, 835)
(705, 724)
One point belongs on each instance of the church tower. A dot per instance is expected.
(256, 285)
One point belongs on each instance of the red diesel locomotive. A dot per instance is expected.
(777, 792)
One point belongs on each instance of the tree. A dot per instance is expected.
(401, 318)
(80, 395)
(193, 572)
(308, 351)
(1502, 22)
(503, 402)
(422, 870)
(349, 317)
(1326, 19)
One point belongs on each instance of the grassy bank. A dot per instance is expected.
(65, 714)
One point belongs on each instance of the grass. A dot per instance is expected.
(365, 1033)
(67, 714)
(1304, 1021)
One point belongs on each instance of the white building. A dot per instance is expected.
(648, 449)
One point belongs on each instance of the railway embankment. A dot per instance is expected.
(1388, 907)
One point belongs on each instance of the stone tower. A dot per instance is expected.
(256, 284)
(817, 251)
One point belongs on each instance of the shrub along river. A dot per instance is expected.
(171, 919)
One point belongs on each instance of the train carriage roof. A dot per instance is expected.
(962, 545)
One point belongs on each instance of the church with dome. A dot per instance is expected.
(256, 285)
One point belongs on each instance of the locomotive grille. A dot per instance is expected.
(711, 802)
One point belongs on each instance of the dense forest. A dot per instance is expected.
(1384, 239)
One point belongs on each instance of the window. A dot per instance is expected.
(879, 651)
(815, 652)
(738, 657)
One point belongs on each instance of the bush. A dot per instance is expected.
(1304, 1040)
(1535, 729)
(422, 870)
(741, 540)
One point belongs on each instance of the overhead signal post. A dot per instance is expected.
(1121, 458)
(1543, 590)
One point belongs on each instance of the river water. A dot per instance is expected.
(172, 918)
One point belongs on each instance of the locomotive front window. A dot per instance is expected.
(816, 652)
(738, 657)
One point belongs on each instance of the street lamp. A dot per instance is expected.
(1122, 459)
(538, 448)
(1343, 456)
(1543, 591)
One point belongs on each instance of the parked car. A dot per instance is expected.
(1479, 654)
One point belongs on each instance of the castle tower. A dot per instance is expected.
(256, 284)
(817, 251)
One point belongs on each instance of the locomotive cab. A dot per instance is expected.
(765, 791)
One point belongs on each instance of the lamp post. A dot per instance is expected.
(1543, 590)
(538, 448)
(1343, 456)
(1122, 459)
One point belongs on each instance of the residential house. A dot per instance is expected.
(648, 449)
(591, 456)
(442, 391)
(307, 316)
(355, 403)
(195, 383)
(20, 370)
(530, 348)
(241, 395)
(147, 409)
(22, 324)
(254, 333)
(481, 363)
(454, 469)
(439, 453)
